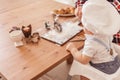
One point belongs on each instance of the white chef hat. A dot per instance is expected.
(100, 17)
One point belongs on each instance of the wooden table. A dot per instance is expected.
(30, 61)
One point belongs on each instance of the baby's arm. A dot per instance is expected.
(117, 48)
(77, 55)
(78, 12)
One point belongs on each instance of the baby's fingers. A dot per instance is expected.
(69, 46)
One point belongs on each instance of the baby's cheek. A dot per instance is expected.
(76, 12)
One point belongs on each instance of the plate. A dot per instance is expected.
(63, 15)
(66, 15)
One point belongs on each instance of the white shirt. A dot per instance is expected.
(96, 51)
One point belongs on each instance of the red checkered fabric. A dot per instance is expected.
(80, 2)
(116, 3)
(116, 38)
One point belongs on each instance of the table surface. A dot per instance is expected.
(29, 61)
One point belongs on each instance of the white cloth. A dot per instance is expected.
(100, 17)
(92, 73)
(96, 51)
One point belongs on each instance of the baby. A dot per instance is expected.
(100, 20)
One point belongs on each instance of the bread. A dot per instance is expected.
(56, 11)
(72, 10)
(68, 10)
(62, 11)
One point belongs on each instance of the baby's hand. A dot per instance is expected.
(78, 12)
(70, 46)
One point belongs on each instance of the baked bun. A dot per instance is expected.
(72, 10)
(62, 11)
(56, 11)
(69, 10)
